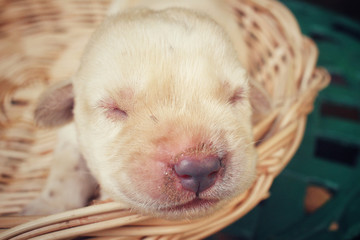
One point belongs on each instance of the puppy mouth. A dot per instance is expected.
(196, 203)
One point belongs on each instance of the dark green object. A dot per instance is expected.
(329, 155)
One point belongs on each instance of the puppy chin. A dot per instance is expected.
(192, 209)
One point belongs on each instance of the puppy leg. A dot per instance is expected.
(70, 184)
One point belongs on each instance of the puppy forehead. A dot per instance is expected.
(177, 84)
(178, 27)
(167, 51)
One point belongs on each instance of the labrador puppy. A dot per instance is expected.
(158, 113)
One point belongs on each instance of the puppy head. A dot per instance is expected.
(162, 113)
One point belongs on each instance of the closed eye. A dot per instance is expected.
(237, 96)
(116, 113)
(112, 110)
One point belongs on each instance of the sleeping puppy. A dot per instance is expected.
(158, 111)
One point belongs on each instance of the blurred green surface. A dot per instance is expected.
(329, 155)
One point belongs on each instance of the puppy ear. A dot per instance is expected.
(260, 101)
(55, 107)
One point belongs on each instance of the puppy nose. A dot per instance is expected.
(197, 175)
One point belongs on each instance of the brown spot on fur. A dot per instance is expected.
(154, 119)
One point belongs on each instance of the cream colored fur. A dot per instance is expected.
(154, 85)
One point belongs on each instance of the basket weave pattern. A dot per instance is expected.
(40, 42)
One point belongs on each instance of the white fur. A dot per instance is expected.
(176, 74)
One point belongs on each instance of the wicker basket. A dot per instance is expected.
(40, 42)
